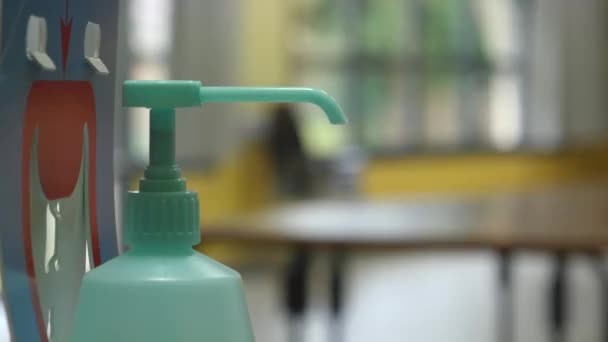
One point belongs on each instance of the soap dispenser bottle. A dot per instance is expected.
(161, 289)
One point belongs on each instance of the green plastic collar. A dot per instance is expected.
(170, 216)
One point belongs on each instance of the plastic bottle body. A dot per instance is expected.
(148, 295)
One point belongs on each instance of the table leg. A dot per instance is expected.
(558, 303)
(296, 293)
(336, 283)
(505, 297)
(602, 275)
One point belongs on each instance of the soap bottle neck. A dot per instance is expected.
(161, 248)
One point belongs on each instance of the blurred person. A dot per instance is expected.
(292, 165)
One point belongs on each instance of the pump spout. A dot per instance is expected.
(275, 94)
(175, 94)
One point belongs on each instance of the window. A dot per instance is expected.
(415, 75)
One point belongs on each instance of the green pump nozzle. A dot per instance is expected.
(174, 94)
(162, 97)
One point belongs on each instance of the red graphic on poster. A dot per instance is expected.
(58, 110)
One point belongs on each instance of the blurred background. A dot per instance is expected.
(472, 124)
(466, 200)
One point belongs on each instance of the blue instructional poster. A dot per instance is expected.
(57, 67)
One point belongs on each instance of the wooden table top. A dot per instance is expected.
(569, 219)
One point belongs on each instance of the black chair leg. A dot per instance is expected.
(558, 303)
(337, 261)
(602, 275)
(505, 297)
(296, 292)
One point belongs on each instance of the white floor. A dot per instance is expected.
(429, 297)
(4, 337)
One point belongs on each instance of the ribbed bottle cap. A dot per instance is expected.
(162, 216)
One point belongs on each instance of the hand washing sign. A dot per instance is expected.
(56, 180)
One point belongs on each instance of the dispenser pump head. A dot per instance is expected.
(163, 208)
(162, 97)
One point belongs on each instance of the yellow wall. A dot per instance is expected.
(246, 182)
(237, 186)
(482, 172)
